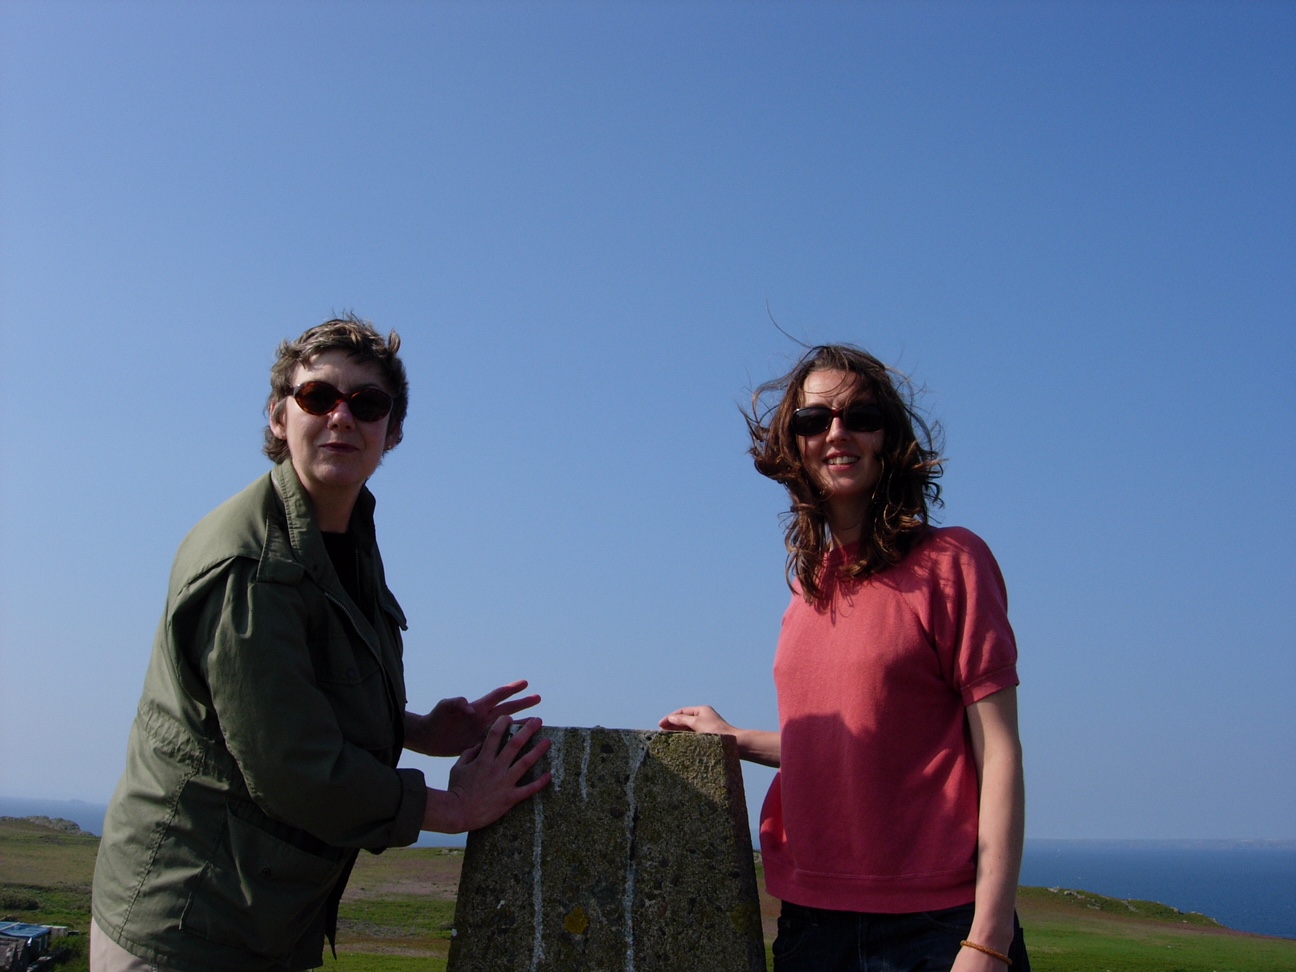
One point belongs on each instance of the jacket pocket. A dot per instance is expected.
(262, 894)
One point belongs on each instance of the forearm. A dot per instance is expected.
(443, 813)
(759, 746)
(417, 737)
(996, 747)
(429, 736)
(1000, 837)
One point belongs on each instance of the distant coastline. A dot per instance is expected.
(1165, 843)
(88, 816)
(1248, 884)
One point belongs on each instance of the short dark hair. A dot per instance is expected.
(361, 340)
(905, 494)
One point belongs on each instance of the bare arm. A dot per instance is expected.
(996, 747)
(755, 745)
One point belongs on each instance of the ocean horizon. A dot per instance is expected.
(1247, 885)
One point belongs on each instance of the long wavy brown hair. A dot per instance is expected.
(899, 512)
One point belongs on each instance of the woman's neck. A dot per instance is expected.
(332, 512)
(845, 525)
(843, 538)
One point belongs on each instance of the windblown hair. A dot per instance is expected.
(898, 514)
(359, 339)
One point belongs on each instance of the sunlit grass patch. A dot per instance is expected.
(1069, 931)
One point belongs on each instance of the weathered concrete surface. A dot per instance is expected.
(637, 858)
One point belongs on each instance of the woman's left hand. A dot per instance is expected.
(486, 782)
(456, 725)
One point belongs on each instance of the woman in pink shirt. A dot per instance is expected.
(893, 830)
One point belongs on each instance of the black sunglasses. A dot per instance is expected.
(320, 398)
(859, 417)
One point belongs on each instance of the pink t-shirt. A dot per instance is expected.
(874, 807)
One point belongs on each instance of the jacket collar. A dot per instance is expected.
(304, 533)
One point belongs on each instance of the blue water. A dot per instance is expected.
(1245, 885)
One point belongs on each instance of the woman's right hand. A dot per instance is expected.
(754, 745)
(697, 718)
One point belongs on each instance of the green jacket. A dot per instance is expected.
(263, 753)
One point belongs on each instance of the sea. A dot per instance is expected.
(1246, 885)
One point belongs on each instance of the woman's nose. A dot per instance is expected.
(341, 415)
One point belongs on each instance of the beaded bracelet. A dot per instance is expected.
(988, 950)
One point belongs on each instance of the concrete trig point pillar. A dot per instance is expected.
(636, 858)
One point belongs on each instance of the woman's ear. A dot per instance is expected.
(277, 426)
(394, 436)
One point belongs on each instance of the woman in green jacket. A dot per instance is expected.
(263, 754)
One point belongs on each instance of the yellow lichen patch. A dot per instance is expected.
(746, 918)
(576, 921)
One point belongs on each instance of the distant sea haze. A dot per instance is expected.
(1246, 885)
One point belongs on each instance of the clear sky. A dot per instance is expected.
(1073, 223)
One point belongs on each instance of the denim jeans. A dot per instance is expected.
(816, 940)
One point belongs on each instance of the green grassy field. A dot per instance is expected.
(45, 880)
(398, 913)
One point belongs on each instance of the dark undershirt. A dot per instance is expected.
(341, 549)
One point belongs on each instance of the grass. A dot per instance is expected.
(398, 910)
(45, 878)
(1075, 931)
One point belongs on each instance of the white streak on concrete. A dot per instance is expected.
(637, 745)
(537, 904)
(555, 757)
(584, 773)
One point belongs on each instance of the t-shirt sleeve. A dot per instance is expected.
(976, 642)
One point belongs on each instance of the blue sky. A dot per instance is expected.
(1073, 223)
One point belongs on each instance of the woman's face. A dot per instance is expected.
(844, 465)
(333, 454)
